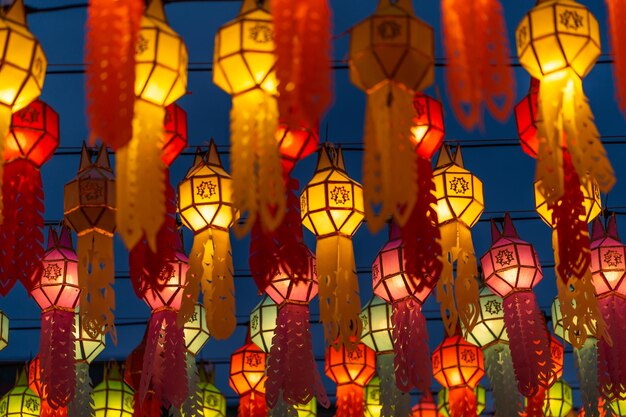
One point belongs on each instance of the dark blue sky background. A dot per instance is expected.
(507, 173)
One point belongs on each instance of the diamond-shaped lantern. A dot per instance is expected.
(490, 326)
(263, 322)
(196, 330)
(377, 325)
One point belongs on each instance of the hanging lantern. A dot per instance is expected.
(175, 133)
(160, 79)
(292, 374)
(112, 397)
(443, 404)
(351, 371)
(490, 335)
(526, 119)
(196, 336)
(20, 401)
(57, 291)
(34, 383)
(206, 207)
(592, 202)
(558, 400)
(425, 408)
(458, 365)
(295, 144)
(4, 330)
(247, 379)
(332, 208)
(378, 333)
(373, 400)
(32, 140)
(616, 12)
(89, 209)
(392, 55)
(460, 203)
(213, 401)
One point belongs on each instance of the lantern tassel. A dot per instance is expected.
(535, 403)
(192, 406)
(530, 346)
(614, 355)
(499, 368)
(82, 404)
(617, 17)
(350, 401)
(586, 360)
(393, 401)
(340, 305)
(412, 355)
(56, 352)
(140, 190)
(462, 402)
(390, 173)
(252, 405)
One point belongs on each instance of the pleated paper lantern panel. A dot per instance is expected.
(263, 323)
(213, 401)
(113, 397)
(196, 330)
(377, 325)
(20, 401)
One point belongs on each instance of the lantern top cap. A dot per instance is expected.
(102, 158)
(249, 5)
(156, 10)
(64, 239)
(112, 372)
(447, 158)
(330, 157)
(17, 12)
(508, 229)
(599, 232)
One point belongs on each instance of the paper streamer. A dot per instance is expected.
(394, 402)
(586, 360)
(56, 352)
(82, 404)
(501, 374)
(192, 406)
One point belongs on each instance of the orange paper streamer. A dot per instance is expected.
(617, 31)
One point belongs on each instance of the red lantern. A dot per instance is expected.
(32, 140)
(351, 371)
(526, 118)
(175, 133)
(425, 408)
(295, 144)
(56, 291)
(458, 365)
(247, 378)
(34, 383)
(428, 128)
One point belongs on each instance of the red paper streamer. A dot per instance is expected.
(350, 401)
(149, 406)
(252, 405)
(534, 404)
(34, 383)
(462, 402)
(612, 358)
(617, 31)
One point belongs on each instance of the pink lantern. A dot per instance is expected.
(56, 291)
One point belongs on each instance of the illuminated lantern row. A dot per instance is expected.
(392, 55)
(20, 401)
(460, 202)
(536, 404)
(196, 335)
(113, 397)
(34, 383)
(332, 208)
(490, 335)
(89, 210)
(608, 269)
(247, 379)
(205, 204)
(511, 269)
(351, 371)
(393, 284)
(443, 404)
(458, 366)
(57, 292)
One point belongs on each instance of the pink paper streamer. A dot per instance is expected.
(612, 359)
(412, 356)
(56, 352)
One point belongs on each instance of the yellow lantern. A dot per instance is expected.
(113, 397)
(307, 410)
(460, 203)
(373, 405)
(558, 402)
(160, 79)
(392, 55)
(263, 323)
(20, 401)
(4, 330)
(87, 347)
(196, 330)
(244, 67)
(332, 208)
(205, 205)
(618, 407)
(213, 401)
(592, 202)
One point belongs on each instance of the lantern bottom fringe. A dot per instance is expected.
(192, 406)
(56, 352)
(393, 401)
(586, 360)
(462, 402)
(350, 401)
(612, 358)
(252, 405)
(282, 409)
(82, 405)
(501, 375)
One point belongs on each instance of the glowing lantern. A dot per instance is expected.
(205, 205)
(4, 330)
(89, 209)
(373, 398)
(351, 371)
(175, 133)
(392, 55)
(332, 208)
(526, 119)
(112, 397)
(263, 323)
(618, 407)
(34, 383)
(443, 406)
(213, 401)
(425, 408)
(558, 399)
(428, 128)
(295, 145)
(160, 79)
(247, 379)
(592, 203)
(458, 365)
(307, 410)
(20, 401)
(196, 336)
(460, 203)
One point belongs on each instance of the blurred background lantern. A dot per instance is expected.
(458, 365)
(460, 203)
(213, 401)
(20, 401)
(56, 291)
(34, 383)
(89, 209)
(175, 133)
(263, 323)
(206, 207)
(295, 144)
(392, 55)
(247, 379)
(351, 371)
(332, 208)
(428, 128)
(558, 400)
(4, 330)
(425, 408)
(592, 203)
(196, 331)
(307, 410)
(526, 119)
(196, 336)
(443, 398)
(112, 397)
(373, 398)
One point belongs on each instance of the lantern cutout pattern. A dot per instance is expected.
(535, 405)
(392, 55)
(20, 401)
(31, 142)
(245, 68)
(511, 269)
(425, 408)
(608, 269)
(586, 360)
(57, 293)
(490, 335)
(23, 70)
(458, 365)
(205, 205)
(133, 374)
(160, 79)
(89, 210)
(332, 208)
(196, 335)
(34, 383)
(247, 379)
(393, 284)
(113, 397)
(373, 398)
(443, 398)
(460, 203)
(351, 371)
(292, 372)
(86, 349)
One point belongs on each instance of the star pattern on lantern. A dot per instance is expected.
(261, 33)
(340, 195)
(504, 257)
(91, 190)
(253, 359)
(459, 185)
(142, 45)
(468, 356)
(356, 354)
(28, 114)
(364, 320)
(52, 272)
(571, 19)
(389, 30)
(254, 322)
(206, 189)
(522, 36)
(612, 258)
(210, 400)
(130, 402)
(31, 404)
(193, 317)
(493, 307)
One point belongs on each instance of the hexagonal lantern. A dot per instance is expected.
(196, 330)
(373, 405)
(113, 397)
(87, 348)
(608, 260)
(20, 401)
(171, 293)
(175, 133)
(592, 201)
(284, 288)
(247, 370)
(457, 363)
(489, 328)
(263, 322)
(377, 325)
(34, 134)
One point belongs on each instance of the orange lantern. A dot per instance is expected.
(247, 379)
(425, 408)
(351, 371)
(428, 128)
(295, 144)
(458, 365)
(34, 383)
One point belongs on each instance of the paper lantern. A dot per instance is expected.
(175, 133)
(618, 407)
(112, 397)
(592, 203)
(213, 401)
(263, 323)
(332, 208)
(247, 379)
(443, 405)
(307, 410)
(425, 408)
(373, 400)
(559, 399)
(87, 348)
(295, 144)
(526, 119)
(460, 203)
(20, 401)
(205, 205)
(428, 127)
(458, 365)
(196, 335)
(34, 383)
(196, 331)
(4, 330)
(351, 371)
(89, 205)
(391, 57)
